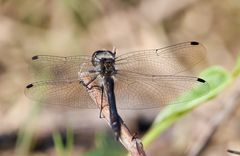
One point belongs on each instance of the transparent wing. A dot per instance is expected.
(46, 67)
(138, 91)
(70, 94)
(170, 60)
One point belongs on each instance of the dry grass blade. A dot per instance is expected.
(233, 152)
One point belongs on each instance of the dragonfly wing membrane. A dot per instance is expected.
(46, 67)
(174, 60)
(138, 91)
(62, 93)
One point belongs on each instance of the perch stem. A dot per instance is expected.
(129, 141)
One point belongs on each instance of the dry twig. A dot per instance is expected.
(129, 141)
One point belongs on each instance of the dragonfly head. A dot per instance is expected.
(103, 57)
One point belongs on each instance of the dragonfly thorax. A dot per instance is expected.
(104, 60)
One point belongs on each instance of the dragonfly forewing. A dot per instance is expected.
(171, 60)
(46, 67)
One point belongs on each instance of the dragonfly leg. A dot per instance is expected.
(95, 86)
(87, 84)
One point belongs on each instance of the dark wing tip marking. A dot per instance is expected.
(201, 80)
(194, 43)
(29, 86)
(35, 57)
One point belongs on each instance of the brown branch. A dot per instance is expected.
(129, 141)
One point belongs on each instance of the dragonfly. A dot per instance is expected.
(144, 79)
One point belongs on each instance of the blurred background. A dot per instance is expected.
(75, 27)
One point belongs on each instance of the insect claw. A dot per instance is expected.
(134, 136)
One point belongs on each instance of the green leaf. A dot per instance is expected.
(217, 79)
